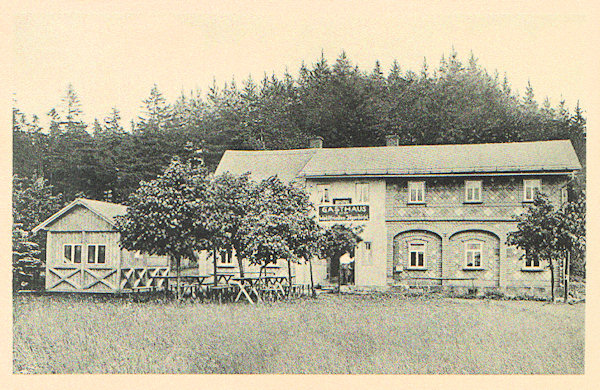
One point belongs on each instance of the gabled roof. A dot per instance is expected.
(105, 210)
(262, 164)
(515, 157)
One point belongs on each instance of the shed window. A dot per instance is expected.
(473, 251)
(96, 254)
(91, 254)
(416, 192)
(362, 193)
(67, 254)
(530, 188)
(72, 253)
(101, 254)
(473, 191)
(416, 254)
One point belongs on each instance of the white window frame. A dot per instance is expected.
(362, 192)
(418, 186)
(96, 253)
(423, 251)
(324, 193)
(533, 184)
(531, 265)
(227, 259)
(473, 252)
(72, 260)
(476, 188)
(368, 251)
(564, 195)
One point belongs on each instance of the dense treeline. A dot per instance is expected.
(454, 103)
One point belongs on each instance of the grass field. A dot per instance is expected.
(345, 334)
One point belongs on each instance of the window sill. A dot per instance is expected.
(473, 269)
(532, 269)
(527, 201)
(225, 266)
(473, 202)
(416, 268)
(416, 203)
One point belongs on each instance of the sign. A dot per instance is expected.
(344, 213)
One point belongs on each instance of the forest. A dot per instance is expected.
(347, 106)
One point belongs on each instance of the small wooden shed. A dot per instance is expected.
(83, 252)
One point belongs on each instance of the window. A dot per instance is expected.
(530, 188)
(225, 257)
(96, 254)
(472, 191)
(416, 254)
(72, 253)
(91, 254)
(362, 193)
(324, 193)
(368, 253)
(564, 195)
(473, 252)
(532, 262)
(342, 201)
(416, 192)
(101, 254)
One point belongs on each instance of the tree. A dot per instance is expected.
(166, 216)
(27, 267)
(546, 234)
(276, 224)
(157, 113)
(33, 202)
(228, 206)
(336, 241)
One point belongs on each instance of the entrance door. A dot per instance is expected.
(342, 268)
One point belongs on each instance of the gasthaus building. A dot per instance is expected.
(432, 214)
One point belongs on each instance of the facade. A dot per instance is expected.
(83, 253)
(432, 214)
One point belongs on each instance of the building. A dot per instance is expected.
(432, 214)
(83, 253)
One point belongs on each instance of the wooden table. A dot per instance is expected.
(247, 286)
(188, 282)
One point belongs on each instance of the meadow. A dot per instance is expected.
(345, 334)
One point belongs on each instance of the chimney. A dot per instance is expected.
(315, 142)
(392, 140)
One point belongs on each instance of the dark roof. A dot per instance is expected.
(105, 210)
(262, 164)
(515, 157)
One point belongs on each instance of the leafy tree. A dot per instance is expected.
(275, 224)
(336, 241)
(166, 216)
(545, 234)
(229, 204)
(33, 202)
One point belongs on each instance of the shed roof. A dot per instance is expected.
(514, 157)
(105, 210)
(262, 164)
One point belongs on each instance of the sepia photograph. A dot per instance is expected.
(323, 188)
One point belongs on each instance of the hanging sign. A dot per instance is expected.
(344, 213)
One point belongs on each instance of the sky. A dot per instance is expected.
(113, 55)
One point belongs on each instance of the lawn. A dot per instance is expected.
(331, 334)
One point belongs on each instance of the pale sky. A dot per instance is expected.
(113, 55)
